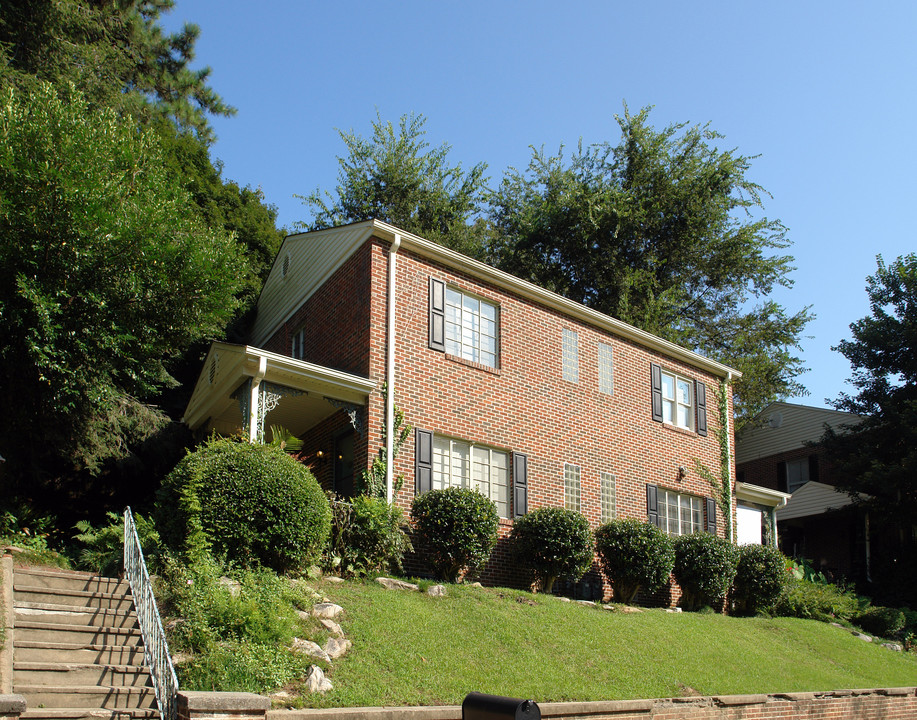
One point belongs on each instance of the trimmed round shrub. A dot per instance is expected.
(634, 555)
(456, 528)
(553, 542)
(704, 568)
(367, 535)
(759, 580)
(885, 622)
(252, 503)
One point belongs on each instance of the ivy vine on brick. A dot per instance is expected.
(722, 485)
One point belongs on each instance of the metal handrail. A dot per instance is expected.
(155, 647)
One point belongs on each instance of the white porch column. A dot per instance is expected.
(254, 406)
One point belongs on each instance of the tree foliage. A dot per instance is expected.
(396, 177)
(106, 275)
(657, 231)
(876, 458)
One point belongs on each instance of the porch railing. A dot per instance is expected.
(155, 648)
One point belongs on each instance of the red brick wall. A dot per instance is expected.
(763, 471)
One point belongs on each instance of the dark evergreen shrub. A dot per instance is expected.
(704, 568)
(367, 536)
(456, 528)
(759, 580)
(634, 555)
(553, 543)
(882, 621)
(252, 503)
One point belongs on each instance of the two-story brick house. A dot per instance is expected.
(530, 398)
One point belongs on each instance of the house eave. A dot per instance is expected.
(761, 495)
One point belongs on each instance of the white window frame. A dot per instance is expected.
(608, 496)
(572, 487)
(797, 474)
(606, 369)
(468, 327)
(571, 355)
(675, 410)
(472, 465)
(679, 514)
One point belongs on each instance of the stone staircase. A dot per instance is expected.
(77, 648)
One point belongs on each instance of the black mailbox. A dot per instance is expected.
(478, 706)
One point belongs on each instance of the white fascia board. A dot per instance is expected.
(549, 299)
(761, 495)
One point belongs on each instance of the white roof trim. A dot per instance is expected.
(761, 495)
(530, 291)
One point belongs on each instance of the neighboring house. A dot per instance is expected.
(818, 523)
(519, 393)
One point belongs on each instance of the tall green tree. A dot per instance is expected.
(658, 231)
(107, 274)
(395, 176)
(875, 460)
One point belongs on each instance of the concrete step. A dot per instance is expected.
(76, 598)
(69, 615)
(86, 696)
(35, 630)
(68, 580)
(58, 652)
(90, 714)
(59, 674)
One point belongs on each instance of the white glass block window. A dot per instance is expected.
(471, 328)
(680, 514)
(462, 464)
(797, 474)
(571, 356)
(572, 499)
(606, 370)
(677, 401)
(608, 497)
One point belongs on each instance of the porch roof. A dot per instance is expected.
(761, 495)
(308, 393)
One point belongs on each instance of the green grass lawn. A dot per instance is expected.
(411, 649)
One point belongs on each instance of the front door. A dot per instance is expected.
(343, 465)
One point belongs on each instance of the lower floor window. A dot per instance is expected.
(680, 514)
(572, 491)
(462, 464)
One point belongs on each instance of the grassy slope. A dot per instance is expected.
(410, 649)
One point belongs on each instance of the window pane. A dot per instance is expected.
(684, 416)
(606, 369)
(489, 312)
(668, 411)
(684, 392)
(668, 387)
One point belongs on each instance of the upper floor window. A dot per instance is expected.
(462, 324)
(797, 474)
(678, 401)
(606, 370)
(571, 356)
(572, 499)
(298, 349)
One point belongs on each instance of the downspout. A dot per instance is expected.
(390, 374)
(253, 405)
(731, 537)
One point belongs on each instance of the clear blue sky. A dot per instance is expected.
(822, 92)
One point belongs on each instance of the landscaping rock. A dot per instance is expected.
(317, 682)
(335, 647)
(586, 602)
(475, 584)
(307, 647)
(673, 610)
(896, 647)
(234, 586)
(436, 591)
(564, 599)
(180, 658)
(392, 584)
(327, 610)
(861, 636)
(629, 609)
(334, 579)
(332, 627)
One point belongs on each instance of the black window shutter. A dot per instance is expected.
(813, 467)
(711, 516)
(700, 392)
(520, 484)
(437, 315)
(652, 505)
(781, 476)
(423, 461)
(656, 384)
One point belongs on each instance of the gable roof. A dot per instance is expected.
(307, 260)
(784, 426)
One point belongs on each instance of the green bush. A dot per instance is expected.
(103, 548)
(634, 555)
(882, 621)
(816, 601)
(759, 579)
(252, 503)
(705, 566)
(367, 536)
(457, 528)
(553, 542)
